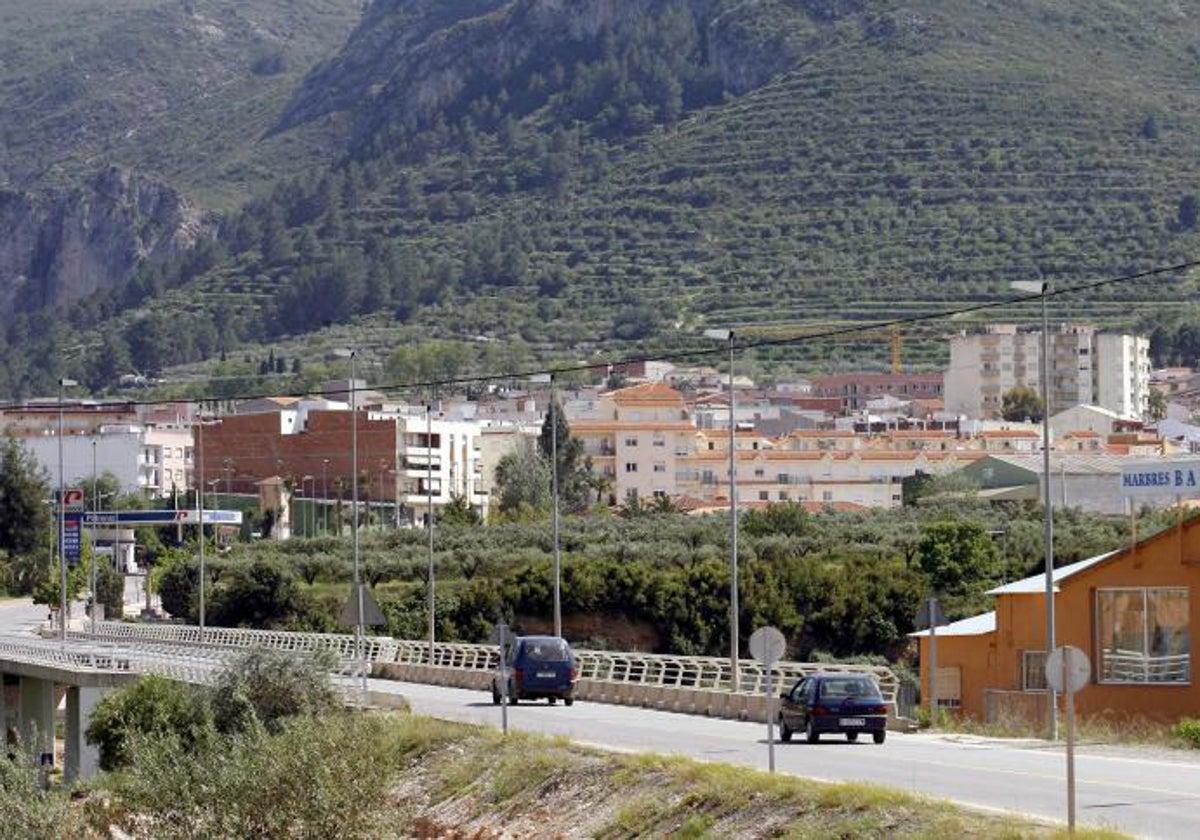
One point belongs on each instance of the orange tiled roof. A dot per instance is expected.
(648, 393)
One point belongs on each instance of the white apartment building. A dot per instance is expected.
(1086, 368)
(165, 462)
(636, 436)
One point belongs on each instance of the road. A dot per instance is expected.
(1143, 792)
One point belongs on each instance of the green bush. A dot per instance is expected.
(261, 688)
(27, 811)
(1188, 731)
(151, 706)
(317, 777)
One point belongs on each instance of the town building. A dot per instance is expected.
(1130, 610)
(404, 460)
(1086, 367)
(855, 390)
(636, 437)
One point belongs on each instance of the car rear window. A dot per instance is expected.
(547, 650)
(849, 687)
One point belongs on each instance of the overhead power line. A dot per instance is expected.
(717, 350)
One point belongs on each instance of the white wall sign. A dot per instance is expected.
(1161, 478)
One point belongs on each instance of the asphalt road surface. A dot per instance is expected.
(1143, 792)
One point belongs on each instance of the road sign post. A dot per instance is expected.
(500, 638)
(1067, 671)
(930, 616)
(767, 645)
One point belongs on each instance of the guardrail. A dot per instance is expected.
(700, 684)
(181, 665)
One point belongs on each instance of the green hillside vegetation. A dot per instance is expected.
(611, 195)
(183, 90)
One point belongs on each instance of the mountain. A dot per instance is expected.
(488, 183)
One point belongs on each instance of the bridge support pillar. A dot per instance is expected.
(36, 714)
(82, 759)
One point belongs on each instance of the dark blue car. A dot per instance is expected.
(537, 667)
(833, 702)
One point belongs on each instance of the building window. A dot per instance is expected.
(758, 472)
(631, 441)
(827, 496)
(630, 467)
(1143, 635)
(783, 496)
(1033, 670)
(659, 440)
(764, 496)
(660, 467)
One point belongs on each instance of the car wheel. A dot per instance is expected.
(785, 731)
(810, 732)
(879, 736)
(851, 737)
(570, 701)
(552, 700)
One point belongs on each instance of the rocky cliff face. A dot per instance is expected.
(62, 248)
(411, 59)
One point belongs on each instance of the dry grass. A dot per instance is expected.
(482, 784)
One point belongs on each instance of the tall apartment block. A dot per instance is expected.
(1087, 367)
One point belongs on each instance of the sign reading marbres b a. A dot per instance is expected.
(1161, 478)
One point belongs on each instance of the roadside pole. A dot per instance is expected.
(1067, 671)
(767, 645)
(500, 638)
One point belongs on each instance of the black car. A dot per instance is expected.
(537, 667)
(833, 702)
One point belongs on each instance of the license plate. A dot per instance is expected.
(546, 675)
(852, 722)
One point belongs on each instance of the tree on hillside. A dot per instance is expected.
(1021, 404)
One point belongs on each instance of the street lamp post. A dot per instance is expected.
(95, 506)
(325, 495)
(734, 668)
(360, 627)
(554, 497)
(62, 554)
(429, 504)
(1042, 290)
(199, 484)
(312, 503)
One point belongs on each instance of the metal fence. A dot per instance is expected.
(609, 676)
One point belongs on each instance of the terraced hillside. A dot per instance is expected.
(909, 158)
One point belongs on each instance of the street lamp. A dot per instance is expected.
(359, 630)
(198, 482)
(554, 497)
(312, 492)
(62, 555)
(95, 506)
(1042, 290)
(735, 676)
(325, 495)
(429, 504)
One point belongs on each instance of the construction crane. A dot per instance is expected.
(785, 332)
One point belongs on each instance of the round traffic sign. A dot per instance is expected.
(767, 645)
(1070, 662)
